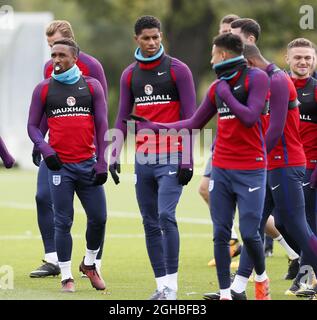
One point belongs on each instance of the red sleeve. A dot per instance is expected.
(173, 75)
(129, 78)
(44, 93)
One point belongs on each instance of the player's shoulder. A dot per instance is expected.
(92, 81)
(130, 67)
(44, 83)
(88, 59)
(178, 64)
(48, 63)
(211, 92)
(127, 72)
(257, 72)
(258, 75)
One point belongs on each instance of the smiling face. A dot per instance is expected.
(63, 58)
(300, 61)
(149, 41)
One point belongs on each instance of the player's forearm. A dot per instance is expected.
(101, 126)
(199, 119)
(37, 137)
(44, 125)
(272, 137)
(247, 114)
(279, 100)
(4, 153)
(102, 143)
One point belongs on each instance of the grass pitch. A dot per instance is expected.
(126, 267)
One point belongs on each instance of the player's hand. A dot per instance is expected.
(53, 162)
(138, 118)
(99, 178)
(184, 175)
(8, 161)
(223, 89)
(313, 179)
(114, 169)
(134, 123)
(36, 157)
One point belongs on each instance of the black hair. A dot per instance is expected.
(146, 22)
(230, 42)
(251, 51)
(248, 27)
(68, 42)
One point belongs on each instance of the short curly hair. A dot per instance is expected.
(230, 42)
(70, 43)
(146, 22)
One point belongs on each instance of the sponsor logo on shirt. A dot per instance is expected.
(305, 117)
(154, 98)
(71, 101)
(148, 89)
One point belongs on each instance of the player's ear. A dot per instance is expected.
(225, 55)
(251, 39)
(287, 58)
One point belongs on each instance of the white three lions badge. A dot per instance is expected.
(57, 180)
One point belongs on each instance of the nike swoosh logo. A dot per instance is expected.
(305, 184)
(161, 73)
(81, 88)
(237, 87)
(306, 94)
(172, 172)
(253, 189)
(273, 188)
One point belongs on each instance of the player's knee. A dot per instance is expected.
(43, 197)
(63, 225)
(249, 235)
(222, 234)
(152, 230)
(97, 223)
(167, 220)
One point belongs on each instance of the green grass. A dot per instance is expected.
(126, 266)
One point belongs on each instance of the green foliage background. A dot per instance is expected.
(104, 28)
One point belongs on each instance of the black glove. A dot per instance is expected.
(132, 128)
(184, 175)
(114, 168)
(137, 118)
(36, 157)
(53, 162)
(100, 178)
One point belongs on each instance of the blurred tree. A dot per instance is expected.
(104, 28)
